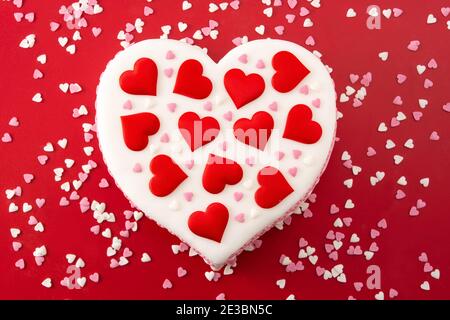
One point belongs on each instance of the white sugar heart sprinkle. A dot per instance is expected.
(47, 283)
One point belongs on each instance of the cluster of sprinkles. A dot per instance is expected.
(75, 23)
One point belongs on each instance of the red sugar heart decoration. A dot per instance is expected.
(167, 175)
(137, 127)
(289, 71)
(142, 79)
(210, 224)
(243, 88)
(300, 127)
(191, 82)
(273, 188)
(255, 131)
(219, 172)
(198, 131)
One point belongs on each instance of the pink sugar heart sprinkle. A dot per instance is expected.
(28, 177)
(164, 138)
(95, 229)
(228, 116)
(234, 5)
(296, 154)
(96, 31)
(137, 168)
(37, 74)
(168, 72)
(302, 243)
(382, 224)
(124, 233)
(40, 202)
(128, 214)
(6, 138)
(398, 101)
(63, 202)
(279, 30)
(13, 122)
(423, 257)
(334, 209)
(434, 136)
(238, 196)
(291, 267)
(181, 272)
(432, 64)
(188, 196)
(417, 115)
(329, 247)
(18, 16)
(373, 247)
(307, 214)
(393, 293)
(446, 107)
(170, 55)
(421, 204)
(183, 247)
(290, 18)
(330, 235)
(358, 286)
(32, 221)
(414, 45)
(240, 217)
(310, 41)
(172, 106)
(374, 233)
(260, 64)
(400, 195)
(304, 12)
(167, 284)
(413, 212)
(273, 106)
(20, 264)
(339, 236)
(127, 105)
(316, 103)
(354, 78)
(397, 12)
(74, 196)
(189, 164)
(371, 152)
(243, 58)
(16, 246)
(293, 171)
(427, 267)
(94, 277)
(320, 271)
(206, 31)
(401, 78)
(54, 26)
(147, 11)
(114, 263)
(213, 24)
(333, 256)
(445, 11)
(127, 253)
(39, 261)
(347, 221)
(304, 89)
(103, 183)
(279, 155)
(428, 84)
(207, 106)
(394, 122)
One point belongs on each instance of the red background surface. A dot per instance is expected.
(347, 46)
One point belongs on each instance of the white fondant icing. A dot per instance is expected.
(173, 211)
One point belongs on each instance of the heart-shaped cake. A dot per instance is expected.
(216, 153)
